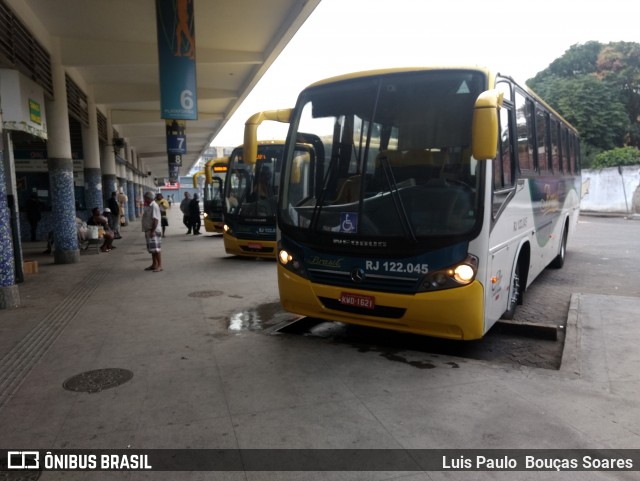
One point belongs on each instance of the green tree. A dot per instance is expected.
(616, 157)
(591, 105)
(597, 88)
(619, 64)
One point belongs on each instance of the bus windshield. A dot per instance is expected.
(395, 158)
(251, 188)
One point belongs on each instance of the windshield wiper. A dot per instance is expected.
(315, 215)
(397, 199)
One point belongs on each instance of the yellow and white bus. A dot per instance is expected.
(250, 200)
(251, 190)
(428, 202)
(215, 171)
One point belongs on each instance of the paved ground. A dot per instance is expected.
(209, 371)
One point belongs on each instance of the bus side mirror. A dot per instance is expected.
(484, 127)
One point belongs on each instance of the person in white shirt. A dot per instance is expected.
(151, 226)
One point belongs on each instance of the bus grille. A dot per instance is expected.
(266, 250)
(371, 282)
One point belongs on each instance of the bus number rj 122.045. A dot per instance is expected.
(401, 267)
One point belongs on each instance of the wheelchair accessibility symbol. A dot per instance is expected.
(348, 222)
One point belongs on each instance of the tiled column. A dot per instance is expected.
(93, 188)
(132, 197)
(108, 164)
(9, 293)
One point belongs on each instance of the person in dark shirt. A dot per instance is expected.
(194, 214)
(33, 210)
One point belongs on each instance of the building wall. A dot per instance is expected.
(611, 190)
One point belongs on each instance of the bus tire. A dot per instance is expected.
(514, 294)
(558, 261)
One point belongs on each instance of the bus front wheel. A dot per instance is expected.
(514, 294)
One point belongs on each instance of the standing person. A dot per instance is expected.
(194, 214)
(114, 220)
(184, 208)
(122, 200)
(151, 222)
(33, 208)
(164, 207)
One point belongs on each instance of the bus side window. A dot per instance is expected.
(544, 159)
(555, 147)
(524, 122)
(503, 165)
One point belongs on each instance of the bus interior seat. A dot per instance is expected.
(349, 190)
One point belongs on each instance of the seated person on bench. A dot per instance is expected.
(101, 221)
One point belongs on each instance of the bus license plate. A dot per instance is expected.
(357, 300)
(255, 247)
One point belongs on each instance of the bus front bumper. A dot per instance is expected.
(456, 313)
(249, 247)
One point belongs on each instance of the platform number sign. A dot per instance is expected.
(177, 59)
(176, 136)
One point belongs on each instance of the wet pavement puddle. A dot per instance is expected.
(520, 345)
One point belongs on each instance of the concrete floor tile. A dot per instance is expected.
(206, 433)
(182, 396)
(345, 424)
(276, 374)
(68, 439)
(478, 415)
(374, 373)
(589, 408)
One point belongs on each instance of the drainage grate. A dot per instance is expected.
(203, 294)
(98, 380)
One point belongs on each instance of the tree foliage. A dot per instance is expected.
(618, 156)
(596, 87)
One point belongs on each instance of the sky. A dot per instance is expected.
(518, 38)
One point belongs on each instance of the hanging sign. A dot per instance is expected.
(176, 136)
(177, 59)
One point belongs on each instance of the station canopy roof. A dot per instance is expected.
(109, 47)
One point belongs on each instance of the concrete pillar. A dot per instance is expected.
(9, 293)
(92, 172)
(60, 165)
(108, 164)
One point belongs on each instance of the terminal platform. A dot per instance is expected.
(190, 358)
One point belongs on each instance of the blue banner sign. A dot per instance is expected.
(177, 59)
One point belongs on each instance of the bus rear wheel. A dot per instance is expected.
(558, 261)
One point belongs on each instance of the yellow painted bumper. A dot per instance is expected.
(249, 248)
(451, 313)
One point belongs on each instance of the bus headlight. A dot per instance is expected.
(285, 257)
(291, 262)
(227, 229)
(457, 275)
(463, 273)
